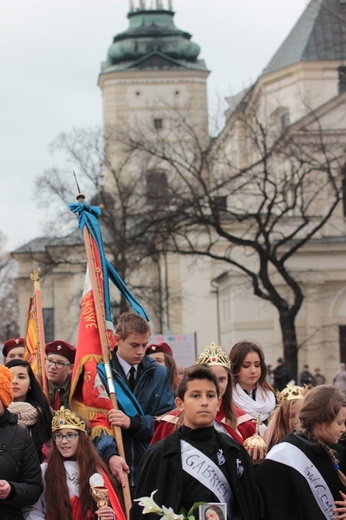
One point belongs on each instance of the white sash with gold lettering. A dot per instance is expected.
(290, 455)
(203, 469)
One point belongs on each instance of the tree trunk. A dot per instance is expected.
(289, 339)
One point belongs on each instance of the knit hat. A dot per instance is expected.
(11, 344)
(154, 348)
(62, 348)
(6, 394)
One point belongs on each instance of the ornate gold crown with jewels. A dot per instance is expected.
(291, 392)
(64, 418)
(213, 355)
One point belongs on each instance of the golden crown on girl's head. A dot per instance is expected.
(213, 355)
(64, 418)
(291, 392)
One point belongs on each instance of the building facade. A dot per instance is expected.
(301, 93)
(151, 76)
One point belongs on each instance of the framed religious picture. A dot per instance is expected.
(213, 511)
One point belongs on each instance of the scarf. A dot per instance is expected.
(27, 414)
(263, 405)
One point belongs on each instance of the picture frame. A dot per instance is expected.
(217, 511)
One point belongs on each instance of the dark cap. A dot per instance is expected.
(11, 344)
(62, 348)
(280, 360)
(153, 348)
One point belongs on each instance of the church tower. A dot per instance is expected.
(152, 73)
(150, 67)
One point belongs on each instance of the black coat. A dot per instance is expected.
(285, 493)
(154, 393)
(281, 377)
(19, 465)
(161, 469)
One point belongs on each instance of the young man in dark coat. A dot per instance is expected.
(197, 463)
(143, 392)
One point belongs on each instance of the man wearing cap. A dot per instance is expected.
(13, 349)
(163, 355)
(158, 351)
(59, 365)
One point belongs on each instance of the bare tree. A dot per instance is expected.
(252, 198)
(8, 294)
(121, 191)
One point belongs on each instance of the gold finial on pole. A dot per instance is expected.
(35, 275)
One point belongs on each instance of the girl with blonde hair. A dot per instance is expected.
(284, 419)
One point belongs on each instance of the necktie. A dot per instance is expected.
(57, 401)
(132, 378)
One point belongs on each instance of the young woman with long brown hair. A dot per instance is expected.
(72, 461)
(30, 405)
(251, 391)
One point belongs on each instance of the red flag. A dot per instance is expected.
(88, 394)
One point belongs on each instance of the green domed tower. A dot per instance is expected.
(152, 41)
(153, 63)
(151, 77)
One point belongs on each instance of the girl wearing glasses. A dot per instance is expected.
(30, 404)
(72, 461)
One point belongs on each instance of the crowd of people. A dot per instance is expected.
(224, 432)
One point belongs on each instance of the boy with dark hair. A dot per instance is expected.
(197, 463)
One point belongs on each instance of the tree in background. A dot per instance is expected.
(121, 190)
(252, 198)
(8, 294)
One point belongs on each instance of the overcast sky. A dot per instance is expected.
(50, 58)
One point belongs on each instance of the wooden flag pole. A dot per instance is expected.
(35, 277)
(102, 328)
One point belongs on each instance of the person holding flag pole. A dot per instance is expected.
(96, 338)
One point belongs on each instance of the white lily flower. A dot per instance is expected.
(169, 514)
(149, 505)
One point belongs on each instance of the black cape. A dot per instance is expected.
(161, 469)
(285, 493)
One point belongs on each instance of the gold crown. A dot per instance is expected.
(213, 355)
(291, 392)
(64, 418)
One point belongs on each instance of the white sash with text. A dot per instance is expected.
(203, 469)
(290, 455)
